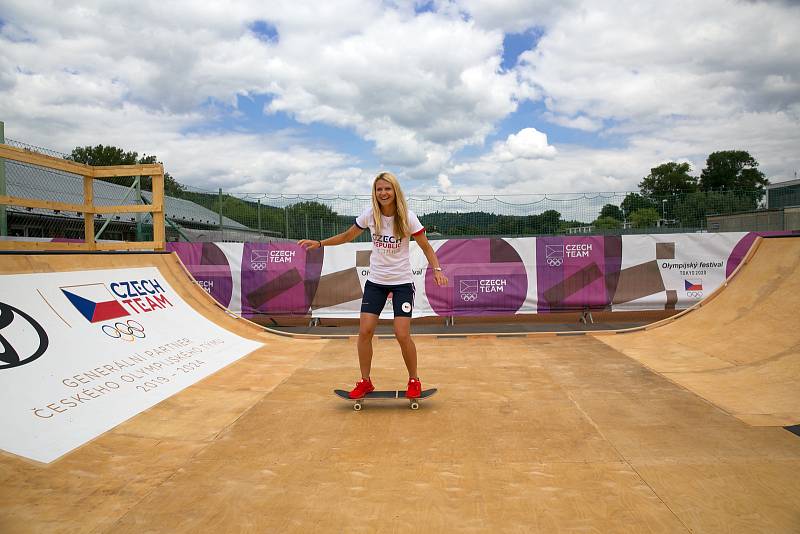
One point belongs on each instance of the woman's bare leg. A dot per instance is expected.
(366, 329)
(402, 331)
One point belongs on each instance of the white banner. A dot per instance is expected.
(84, 351)
(488, 276)
(688, 267)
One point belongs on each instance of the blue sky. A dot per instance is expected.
(264, 30)
(514, 44)
(455, 97)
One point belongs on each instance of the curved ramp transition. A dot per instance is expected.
(741, 349)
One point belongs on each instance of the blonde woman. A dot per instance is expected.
(391, 225)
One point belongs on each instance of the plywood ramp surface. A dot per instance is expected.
(539, 435)
(741, 350)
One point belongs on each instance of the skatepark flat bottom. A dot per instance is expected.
(525, 435)
(653, 431)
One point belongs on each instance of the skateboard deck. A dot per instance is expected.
(378, 395)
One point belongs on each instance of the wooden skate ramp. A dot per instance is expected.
(741, 349)
(537, 434)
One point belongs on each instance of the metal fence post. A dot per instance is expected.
(258, 208)
(138, 200)
(286, 221)
(220, 212)
(3, 222)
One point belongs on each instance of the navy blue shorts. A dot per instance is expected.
(375, 296)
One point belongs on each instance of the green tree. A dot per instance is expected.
(101, 155)
(645, 218)
(634, 202)
(613, 211)
(607, 223)
(506, 225)
(313, 220)
(171, 185)
(547, 222)
(691, 210)
(733, 170)
(668, 179)
(313, 208)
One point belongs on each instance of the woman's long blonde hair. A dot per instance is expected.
(401, 208)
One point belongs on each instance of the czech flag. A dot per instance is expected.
(95, 302)
(693, 286)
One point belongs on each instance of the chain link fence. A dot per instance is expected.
(320, 216)
(195, 214)
(28, 181)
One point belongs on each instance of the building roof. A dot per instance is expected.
(783, 184)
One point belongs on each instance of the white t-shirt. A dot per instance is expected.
(389, 263)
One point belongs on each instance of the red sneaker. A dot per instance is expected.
(363, 387)
(414, 388)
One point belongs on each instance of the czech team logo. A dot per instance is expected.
(554, 255)
(468, 290)
(694, 288)
(259, 259)
(95, 302)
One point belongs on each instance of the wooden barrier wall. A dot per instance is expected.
(88, 208)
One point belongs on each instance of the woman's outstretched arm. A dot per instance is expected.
(345, 237)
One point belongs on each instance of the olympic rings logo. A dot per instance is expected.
(260, 266)
(555, 262)
(694, 294)
(127, 331)
(469, 297)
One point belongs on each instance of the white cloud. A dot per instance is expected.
(528, 143)
(416, 87)
(445, 185)
(633, 60)
(274, 164)
(515, 16)
(665, 81)
(576, 169)
(581, 122)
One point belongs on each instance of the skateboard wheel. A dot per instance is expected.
(414, 405)
(357, 406)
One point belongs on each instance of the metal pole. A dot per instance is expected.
(259, 216)
(306, 225)
(220, 214)
(138, 200)
(286, 220)
(3, 222)
(321, 235)
(123, 201)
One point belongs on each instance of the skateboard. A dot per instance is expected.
(377, 395)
